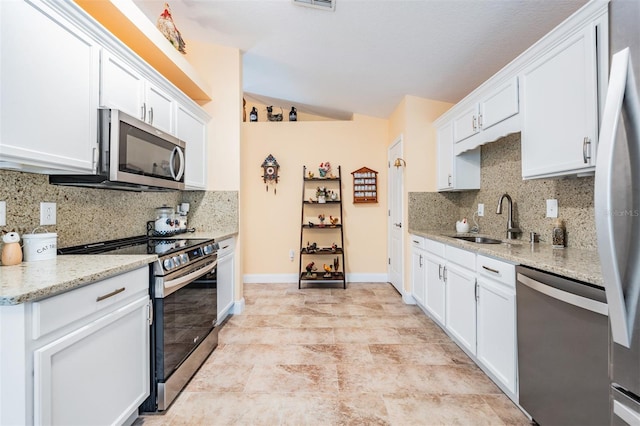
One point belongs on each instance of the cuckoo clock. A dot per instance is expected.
(270, 169)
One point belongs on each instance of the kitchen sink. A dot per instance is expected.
(479, 240)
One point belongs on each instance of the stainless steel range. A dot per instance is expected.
(184, 331)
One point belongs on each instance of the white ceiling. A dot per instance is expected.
(368, 54)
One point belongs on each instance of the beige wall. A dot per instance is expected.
(413, 119)
(270, 222)
(221, 68)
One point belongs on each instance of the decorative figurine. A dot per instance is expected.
(321, 194)
(169, 30)
(334, 196)
(336, 264)
(333, 220)
(293, 114)
(327, 270)
(11, 250)
(324, 169)
(311, 175)
(253, 115)
(273, 117)
(310, 268)
(270, 175)
(312, 248)
(334, 248)
(321, 217)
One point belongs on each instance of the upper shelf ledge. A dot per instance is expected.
(127, 22)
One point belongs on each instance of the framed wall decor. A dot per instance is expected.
(365, 185)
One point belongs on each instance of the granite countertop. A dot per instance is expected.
(30, 281)
(578, 264)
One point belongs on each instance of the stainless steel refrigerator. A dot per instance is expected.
(617, 208)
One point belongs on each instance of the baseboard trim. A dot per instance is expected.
(238, 307)
(293, 278)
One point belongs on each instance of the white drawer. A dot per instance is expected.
(497, 270)
(418, 242)
(58, 311)
(435, 247)
(227, 246)
(464, 258)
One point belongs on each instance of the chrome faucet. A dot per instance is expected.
(512, 230)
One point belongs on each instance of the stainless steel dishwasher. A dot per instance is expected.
(563, 346)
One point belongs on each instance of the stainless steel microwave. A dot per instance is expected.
(133, 155)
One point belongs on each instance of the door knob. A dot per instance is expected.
(399, 225)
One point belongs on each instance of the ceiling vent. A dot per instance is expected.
(318, 4)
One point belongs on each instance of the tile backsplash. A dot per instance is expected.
(501, 173)
(86, 215)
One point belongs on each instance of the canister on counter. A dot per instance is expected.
(558, 235)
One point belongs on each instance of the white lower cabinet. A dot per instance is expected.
(435, 287)
(418, 270)
(226, 277)
(78, 358)
(98, 374)
(497, 321)
(461, 298)
(473, 298)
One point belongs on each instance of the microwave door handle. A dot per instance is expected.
(621, 80)
(182, 163)
(177, 176)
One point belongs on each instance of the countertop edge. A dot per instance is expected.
(585, 271)
(132, 262)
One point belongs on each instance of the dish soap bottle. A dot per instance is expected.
(558, 235)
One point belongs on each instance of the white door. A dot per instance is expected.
(418, 275)
(98, 374)
(461, 305)
(193, 131)
(496, 331)
(395, 248)
(435, 293)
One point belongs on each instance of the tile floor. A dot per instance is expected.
(328, 356)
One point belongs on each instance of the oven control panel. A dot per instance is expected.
(177, 260)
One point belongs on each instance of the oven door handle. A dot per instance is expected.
(177, 283)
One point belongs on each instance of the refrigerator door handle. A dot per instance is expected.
(621, 89)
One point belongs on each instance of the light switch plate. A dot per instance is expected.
(552, 208)
(47, 213)
(3, 213)
(480, 209)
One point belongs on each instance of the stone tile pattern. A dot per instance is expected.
(86, 215)
(213, 211)
(501, 172)
(328, 356)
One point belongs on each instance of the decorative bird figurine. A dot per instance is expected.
(334, 220)
(169, 30)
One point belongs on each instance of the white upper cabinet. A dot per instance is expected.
(49, 97)
(499, 105)
(160, 109)
(121, 87)
(124, 88)
(496, 105)
(560, 109)
(466, 124)
(456, 172)
(193, 131)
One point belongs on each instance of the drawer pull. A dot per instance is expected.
(495, 271)
(108, 295)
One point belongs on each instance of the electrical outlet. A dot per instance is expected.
(3, 213)
(552, 208)
(291, 254)
(47, 213)
(480, 209)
